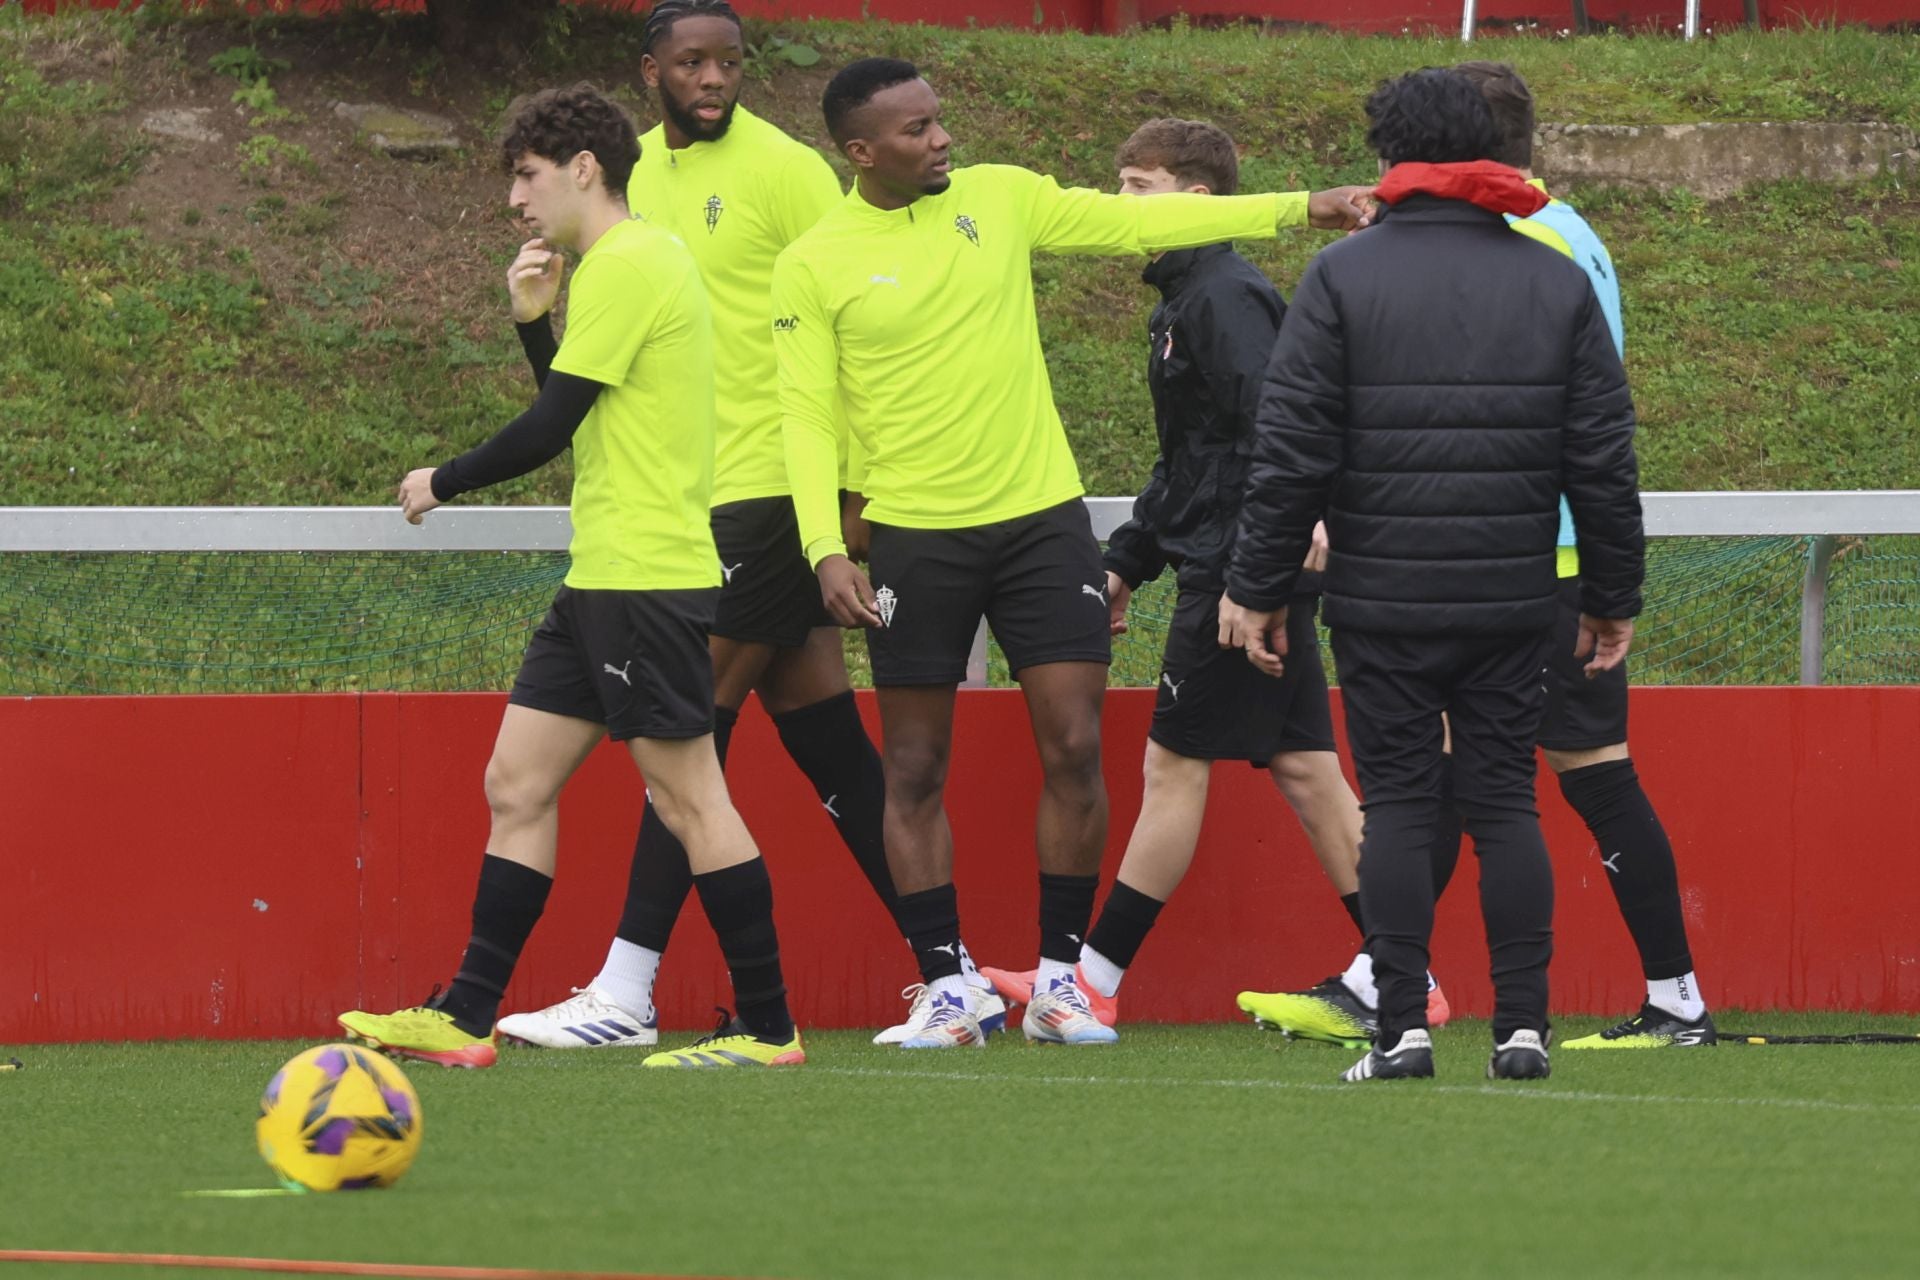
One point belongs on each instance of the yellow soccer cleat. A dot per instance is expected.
(1651, 1028)
(732, 1045)
(426, 1034)
(1327, 1012)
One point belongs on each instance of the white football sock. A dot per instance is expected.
(627, 977)
(1359, 980)
(1102, 974)
(1678, 996)
(953, 985)
(1049, 970)
(971, 971)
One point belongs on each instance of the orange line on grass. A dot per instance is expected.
(296, 1266)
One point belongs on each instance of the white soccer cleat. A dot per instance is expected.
(1061, 1015)
(948, 1025)
(988, 1008)
(588, 1020)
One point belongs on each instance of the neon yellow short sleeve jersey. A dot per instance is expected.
(920, 322)
(637, 323)
(737, 202)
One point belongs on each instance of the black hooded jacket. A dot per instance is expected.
(1208, 343)
(1439, 382)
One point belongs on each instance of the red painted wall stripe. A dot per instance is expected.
(235, 867)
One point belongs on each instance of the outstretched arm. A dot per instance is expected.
(530, 441)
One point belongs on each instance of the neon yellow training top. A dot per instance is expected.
(922, 320)
(737, 202)
(643, 459)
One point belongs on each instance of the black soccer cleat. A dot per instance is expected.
(1522, 1057)
(1411, 1059)
(1652, 1028)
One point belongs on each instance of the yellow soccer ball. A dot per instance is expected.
(339, 1118)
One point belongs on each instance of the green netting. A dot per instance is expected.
(1720, 611)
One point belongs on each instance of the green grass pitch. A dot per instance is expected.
(1217, 1151)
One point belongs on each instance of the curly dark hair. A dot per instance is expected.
(1433, 116)
(558, 124)
(1193, 151)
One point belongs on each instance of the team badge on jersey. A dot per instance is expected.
(715, 207)
(884, 602)
(964, 225)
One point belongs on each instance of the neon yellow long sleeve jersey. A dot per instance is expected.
(737, 202)
(921, 320)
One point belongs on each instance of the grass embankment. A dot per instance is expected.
(283, 317)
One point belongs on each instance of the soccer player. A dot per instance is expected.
(912, 305)
(1583, 733)
(736, 191)
(1207, 344)
(623, 651)
(1438, 384)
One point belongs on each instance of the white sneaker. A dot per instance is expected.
(948, 1026)
(988, 1008)
(586, 1021)
(1060, 1015)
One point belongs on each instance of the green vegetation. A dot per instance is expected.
(283, 317)
(1181, 1151)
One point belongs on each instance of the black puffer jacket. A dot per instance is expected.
(1438, 383)
(1208, 345)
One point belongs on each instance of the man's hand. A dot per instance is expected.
(1341, 209)
(854, 529)
(1262, 634)
(1607, 639)
(1316, 561)
(533, 281)
(416, 494)
(1118, 593)
(847, 593)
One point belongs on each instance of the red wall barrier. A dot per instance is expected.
(1119, 15)
(248, 866)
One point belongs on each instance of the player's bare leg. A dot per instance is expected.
(1063, 705)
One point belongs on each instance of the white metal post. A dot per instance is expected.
(1469, 12)
(1692, 27)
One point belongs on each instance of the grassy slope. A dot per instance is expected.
(1184, 1151)
(285, 319)
(273, 341)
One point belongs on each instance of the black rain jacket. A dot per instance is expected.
(1439, 382)
(1208, 343)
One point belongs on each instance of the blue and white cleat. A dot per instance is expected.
(988, 1008)
(588, 1020)
(1060, 1015)
(949, 1025)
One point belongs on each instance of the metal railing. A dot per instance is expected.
(1822, 515)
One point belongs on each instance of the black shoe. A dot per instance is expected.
(1651, 1028)
(1522, 1057)
(1411, 1059)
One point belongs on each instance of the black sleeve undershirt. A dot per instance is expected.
(531, 440)
(536, 339)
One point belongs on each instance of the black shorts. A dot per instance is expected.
(1581, 714)
(1037, 579)
(770, 594)
(634, 661)
(1215, 705)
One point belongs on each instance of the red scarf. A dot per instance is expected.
(1483, 182)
